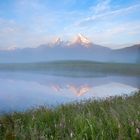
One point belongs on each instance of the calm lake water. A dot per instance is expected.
(20, 91)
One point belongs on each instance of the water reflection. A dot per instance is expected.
(20, 91)
(79, 91)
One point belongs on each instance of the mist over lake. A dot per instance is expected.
(24, 86)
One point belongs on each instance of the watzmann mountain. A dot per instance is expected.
(79, 49)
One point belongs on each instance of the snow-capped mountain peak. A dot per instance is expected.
(57, 40)
(82, 39)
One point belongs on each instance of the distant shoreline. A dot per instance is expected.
(74, 68)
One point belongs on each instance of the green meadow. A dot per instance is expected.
(115, 118)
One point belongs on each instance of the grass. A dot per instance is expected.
(116, 118)
(75, 68)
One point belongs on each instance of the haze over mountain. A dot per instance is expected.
(79, 49)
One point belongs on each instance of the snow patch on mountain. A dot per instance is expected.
(80, 39)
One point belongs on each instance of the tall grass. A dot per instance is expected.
(111, 119)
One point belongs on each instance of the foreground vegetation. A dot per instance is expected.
(113, 118)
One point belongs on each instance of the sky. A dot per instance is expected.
(29, 23)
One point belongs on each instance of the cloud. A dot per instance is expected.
(36, 21)
(35, 24)
(119, 34)
(14, 35)
(105, 12)
(102, 6)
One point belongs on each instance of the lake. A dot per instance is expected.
(21, 90)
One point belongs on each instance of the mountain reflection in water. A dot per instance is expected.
(21, 91)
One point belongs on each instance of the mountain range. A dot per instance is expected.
(79, 49)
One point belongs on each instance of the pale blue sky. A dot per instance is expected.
(29, 23)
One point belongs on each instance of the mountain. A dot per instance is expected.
(82, 40)
(129, 54)
(79, 49)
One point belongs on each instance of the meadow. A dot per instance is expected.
(113, 118)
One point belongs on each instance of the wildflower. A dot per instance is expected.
(55, 125)
(71, 134)
(119, 126)
(33, 117)
(137, 130)
(138, 123)
(132, 123)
